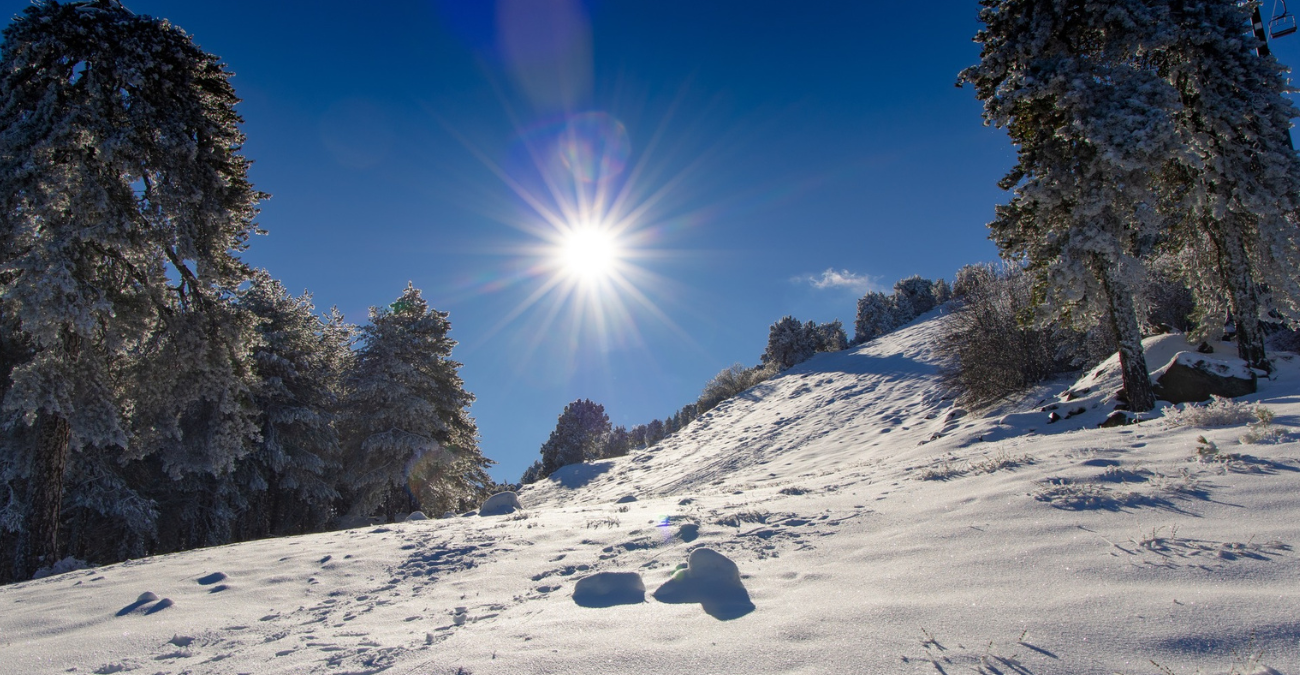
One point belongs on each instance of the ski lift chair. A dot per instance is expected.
(1282, 24)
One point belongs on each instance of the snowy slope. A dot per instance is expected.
(877, 529)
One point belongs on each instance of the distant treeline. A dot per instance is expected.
(583, 431)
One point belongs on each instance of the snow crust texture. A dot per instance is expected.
(845, 516)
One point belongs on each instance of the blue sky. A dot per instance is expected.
(756, 145)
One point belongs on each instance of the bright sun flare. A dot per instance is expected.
(588, 253)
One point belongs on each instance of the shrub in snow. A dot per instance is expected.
(993, 352)
(1219, 412)
(1262, 430)
(971, 278)
(730, 382)
(68, 564)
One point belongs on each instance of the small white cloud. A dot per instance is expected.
(841, 279)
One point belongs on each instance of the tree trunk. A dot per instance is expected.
(1243, 294)
(53, 435)
(1128, 337)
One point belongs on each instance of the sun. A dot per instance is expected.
(588, 253)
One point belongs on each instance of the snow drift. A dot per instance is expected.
(873, 526)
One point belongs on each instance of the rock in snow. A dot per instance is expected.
(500, 504)
(1192, 378)
(606, 589)
(712, 580)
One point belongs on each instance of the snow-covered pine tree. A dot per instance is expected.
(618, 444)
(830, 337)
(119, 168)
(654, 432)
(300, 361)
(1071, 82)
(875, 317)
(1234, 194)
(916, 293)
(788, 343)
(942, 292)
(406, 413)
(532, 474)
(580, 434)
(637, 436)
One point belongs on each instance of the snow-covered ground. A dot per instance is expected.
(877, 528)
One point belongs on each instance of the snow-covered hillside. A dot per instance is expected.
(877, 529)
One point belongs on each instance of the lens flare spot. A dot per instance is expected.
(594, 147)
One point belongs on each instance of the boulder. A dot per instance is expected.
(500, 504)
(606, 589)
(1115, 419)
(711, 579)
(626, 499)
(416, 515)
(1193, 378)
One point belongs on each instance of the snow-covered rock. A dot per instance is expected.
(1191, 377)
(500, 504)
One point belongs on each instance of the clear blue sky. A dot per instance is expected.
(767, 141)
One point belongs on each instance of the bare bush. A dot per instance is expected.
(730, 382)
(1219, 412)
(994, 347)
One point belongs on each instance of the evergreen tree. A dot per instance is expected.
(299, 362)
(637, 436)
(579, 436)
(532, 474)
(406, 428)
(830, 337)
(788, 343)
(942, 292)
(619, 442)
(654, 432)
(915, 296)
(1070, 82)
(1233, 193)
(124, 200)
(875, 317)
